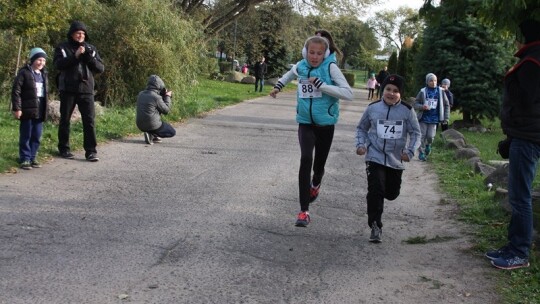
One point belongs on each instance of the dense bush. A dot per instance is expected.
(350, 78)
(135, 38)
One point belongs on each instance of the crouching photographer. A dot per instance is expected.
(151, 103)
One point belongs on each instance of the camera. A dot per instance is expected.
(163, 92)
(88, 49)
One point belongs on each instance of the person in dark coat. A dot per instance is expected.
(520, 121)
(77, 61)
(259, 71)
(380, 79)
(29, 106)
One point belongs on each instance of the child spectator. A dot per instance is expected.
(320, 85)
(433, 108)
(371, 85)
(445, 85)
(29, 106)
(388, 134)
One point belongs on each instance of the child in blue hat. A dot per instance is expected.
(29, 106)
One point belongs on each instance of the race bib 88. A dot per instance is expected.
(307, 90)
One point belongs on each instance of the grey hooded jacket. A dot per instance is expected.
(151, 103)
(387, 151)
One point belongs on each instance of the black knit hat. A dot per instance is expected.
(530, 29)
(396, 80)
(78, 26)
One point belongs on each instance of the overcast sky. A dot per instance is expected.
(394, 4)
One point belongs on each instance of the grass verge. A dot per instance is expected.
(482, 211)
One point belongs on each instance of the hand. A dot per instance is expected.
(79, 51)
(425, 107)
(274, 92)
(361, 150)
(168, 93)
(404, 157)
(17, 114)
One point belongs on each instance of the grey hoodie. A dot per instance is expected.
(151, 104)
(387, 151)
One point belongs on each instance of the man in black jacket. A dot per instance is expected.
(77, 62)
(380, 79)
(520, 121)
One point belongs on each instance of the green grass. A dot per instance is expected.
(360, 78)
(482, 211)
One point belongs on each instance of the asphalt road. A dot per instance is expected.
(208, 217)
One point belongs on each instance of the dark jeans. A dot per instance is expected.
(257, 82)
(85, 103)
(523, 163)
(383, 183)
(166, 130)
(29, 138)
(318, 138)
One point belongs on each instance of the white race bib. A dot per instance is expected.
(39, 89)
(307, 90)
(389, 129)
(432, 103)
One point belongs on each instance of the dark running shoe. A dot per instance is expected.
(35, 164)
(156, 139)
(509, 262)
(92, 157)
(67, 155)
(314, 193)
(303, 219)
(148, 138)
(26, 165)
(376, 233)
(428, 150)
(498, 253)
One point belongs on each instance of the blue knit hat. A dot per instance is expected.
(36, 53)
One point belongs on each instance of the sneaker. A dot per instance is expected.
(92, 157)
(67, 155)
(422, 156)
(314, 193)
(428, 149)
(376, 233)
(35, 164)
(156, 139)
(148, 138)
(498, 253)
(303, 219)
(509, 262)
(26, 165)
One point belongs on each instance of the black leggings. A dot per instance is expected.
(318, 138)
(383, 183)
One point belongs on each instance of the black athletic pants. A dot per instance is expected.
(383, 183)
(312, 137)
